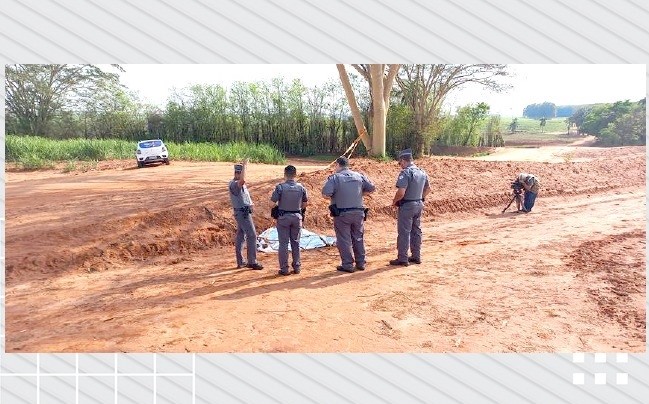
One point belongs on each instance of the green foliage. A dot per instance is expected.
(464, 128)
(492, 137)
(384, 159)
(513, 125)
(543, 110)
(424, 88)
(31, 162)
(36, 94)
(627, 129)
(32, 152)
(71, 165)
(232, 151)
(618, 124)
(601, 115)
(399, 129)
(286, 114)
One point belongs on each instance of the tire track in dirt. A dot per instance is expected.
(614, 276)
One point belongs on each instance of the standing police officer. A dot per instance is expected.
(346, 189)
(242, 205)
(412, 188)
(291, 198)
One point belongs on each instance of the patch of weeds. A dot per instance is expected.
(567, 157)
(71, 165)
(89, 165)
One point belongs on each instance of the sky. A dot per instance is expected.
(561, 84)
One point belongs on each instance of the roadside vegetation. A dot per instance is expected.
(70, 113)
(35, 152)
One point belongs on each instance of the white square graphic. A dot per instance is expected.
(577, 378)
(622, 378)
(600, 378)
(622, 357)
(600, 358)
(578, 357)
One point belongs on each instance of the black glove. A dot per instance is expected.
(274, 212)
(303, 212)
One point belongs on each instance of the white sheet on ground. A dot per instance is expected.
(268, 240)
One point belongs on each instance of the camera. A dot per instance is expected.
(516, 186)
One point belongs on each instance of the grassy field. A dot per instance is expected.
(534, 125)
(31, 152)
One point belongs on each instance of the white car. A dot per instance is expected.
(151, 151)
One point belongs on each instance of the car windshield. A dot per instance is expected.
(150, 143)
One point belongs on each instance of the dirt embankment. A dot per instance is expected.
(136, 220)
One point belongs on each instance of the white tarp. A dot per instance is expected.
(268, 240)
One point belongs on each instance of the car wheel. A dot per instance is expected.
(140, 164)
(166, 161)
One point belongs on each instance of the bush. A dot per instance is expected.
(34, 152)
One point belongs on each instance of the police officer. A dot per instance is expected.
(412, 188)
(242, 205)
(291, 198)
(346, 189)
(531, 184)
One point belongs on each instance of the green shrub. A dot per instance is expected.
(34, 152)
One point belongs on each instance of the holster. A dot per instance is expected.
(365, 213)
(303, 212)
(333, 210)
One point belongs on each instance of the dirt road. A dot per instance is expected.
(131, 260)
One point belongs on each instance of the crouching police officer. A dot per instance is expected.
(531, 185)
(412, 188)
(346, 189)
(242, 205)
(291, 198)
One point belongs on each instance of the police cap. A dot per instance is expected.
(405, 154)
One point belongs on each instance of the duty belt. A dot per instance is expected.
(348, 209)
(290, 211)
(410, 200)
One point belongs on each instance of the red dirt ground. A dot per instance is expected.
(120, 259)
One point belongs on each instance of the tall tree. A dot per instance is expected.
(381, 79)
(425, 87)
(35, 93)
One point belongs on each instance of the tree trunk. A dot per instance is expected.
(380, 89)
(380, 110)
(356, 113)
